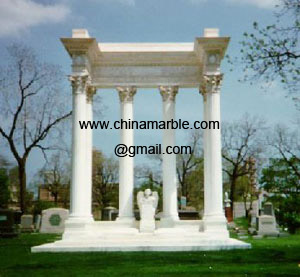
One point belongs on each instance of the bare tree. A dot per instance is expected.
(150, 175)
(241, 141)
(105, 178)
(31, 105)
(55, 177)
(186, 163)
(286, 143)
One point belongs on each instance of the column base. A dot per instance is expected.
(77, 218)
(75, 226)
(168, 221)
(126, 220)
(215, 225)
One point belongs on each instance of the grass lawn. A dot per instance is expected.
(268, 257)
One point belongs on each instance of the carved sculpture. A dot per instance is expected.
(147, 202)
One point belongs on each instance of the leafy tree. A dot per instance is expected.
(195, 185)
(31, 107)
(272, 52)
(280, 179)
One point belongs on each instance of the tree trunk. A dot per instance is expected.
(55, 198)
(245, 206)
(22, 181)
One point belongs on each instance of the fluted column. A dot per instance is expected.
(170, 206)
(126, 164)
(89, 149)
(78, 207)
(214, 218)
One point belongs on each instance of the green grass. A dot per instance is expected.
(268, 257)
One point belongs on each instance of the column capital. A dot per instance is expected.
(126, 94)
(90, 92)
(79, 83)
(210, 84)
(168, 93)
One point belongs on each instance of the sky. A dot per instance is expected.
(40, 23)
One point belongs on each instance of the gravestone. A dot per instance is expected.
(7, 223)
(53, 220)
(267, 222)
(27, 223)
(37, 222)
(253, 216)
(267, 226)
(107, 213)
(183, 202)
(147, 202)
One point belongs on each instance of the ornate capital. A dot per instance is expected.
(79, 83)
(126, 94)
(91, 90)
(211, 84)
(168, 93)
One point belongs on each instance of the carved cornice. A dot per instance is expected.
(168, 93)
(126, 94)
(80, 83)
(210, 84)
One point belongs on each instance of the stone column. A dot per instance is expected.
(214, 218)
(126, 164)
(206, 147)
(89, 148)
(79, 191)
(170, 205)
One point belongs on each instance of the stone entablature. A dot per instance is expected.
(146, 64)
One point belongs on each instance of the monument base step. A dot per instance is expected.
(143, 245)
(113, 236)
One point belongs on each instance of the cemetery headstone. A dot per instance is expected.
(107, 213)
(267, 226)
(183, 202)
(7, 223)
(53, 220)
(37, 222)
(27, 223)
(253, 215)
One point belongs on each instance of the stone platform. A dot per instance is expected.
(114, 236)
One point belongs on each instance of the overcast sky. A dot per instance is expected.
(41, 23)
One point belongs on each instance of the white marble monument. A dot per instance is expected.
(167, 68)
(147, 202)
